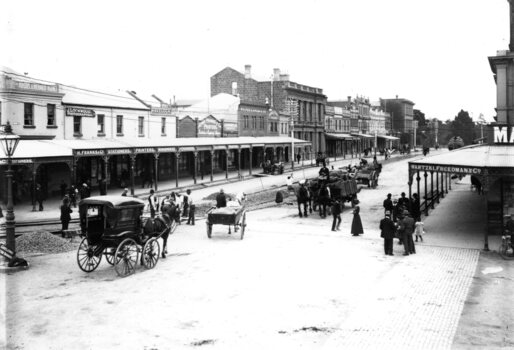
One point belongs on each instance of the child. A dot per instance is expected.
(418, 230)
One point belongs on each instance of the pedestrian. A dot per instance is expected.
(289, 183)
(153, 203)
(419, 230)
(388, 204)
(336, 213)
(185, 205)
(39, 196)
(241, 198)
(65, 214)
(221, 199)
(387, 231)
(356, 222)
(84, 191)
(63, 188)
(415, 207)
(407, 229)
(102, 187)
(404, 202)
(191, 205)
(125, 192)
(72, 194)
(298, 157)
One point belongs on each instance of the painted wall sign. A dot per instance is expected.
(89, 152)
(161, 111)
(454, 169)
(79, 112)
(17, 161)
(209, 127)
(145, 150)
(166, 149)
(119, 151)
(503, 134)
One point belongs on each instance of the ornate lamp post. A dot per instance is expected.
(9, 143)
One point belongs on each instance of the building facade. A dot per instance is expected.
(303, 104)
(402, 117)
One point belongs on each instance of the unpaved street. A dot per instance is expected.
(291, 283)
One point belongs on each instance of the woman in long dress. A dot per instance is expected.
(356, 222)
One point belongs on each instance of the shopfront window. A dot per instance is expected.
(101, 124)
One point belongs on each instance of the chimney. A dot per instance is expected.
(248, 71)
(276, 74)
(284, 77)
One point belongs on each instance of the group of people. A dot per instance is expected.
(402, 220)
(175, 205)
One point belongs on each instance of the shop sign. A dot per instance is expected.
(89, 152)
(17, 161)
(454, 169)
(209, 127)
(161, 111)
(145, 150)
(503, 134)
(79, 112)
(166, 149)
(119, 151)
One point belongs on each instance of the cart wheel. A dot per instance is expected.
(86, 258)
(209, 230)
(151, 251)
(125, 258)
(109, 255)
(243, 225)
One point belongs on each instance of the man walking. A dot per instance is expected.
(387, 229)
(336, 213)
(407, 228)
(190, 203)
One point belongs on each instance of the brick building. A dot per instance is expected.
(304, 103)
(402, 116)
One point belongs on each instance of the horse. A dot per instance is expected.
(161, 227)
(303, 197)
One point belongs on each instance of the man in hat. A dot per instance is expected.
(125, 192)
(153, 203)
(407, 226)
(388, 204)
(221, 199)
(387, 230)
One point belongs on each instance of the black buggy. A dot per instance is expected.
(114, 226)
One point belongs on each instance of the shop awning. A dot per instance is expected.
(387, 137)
(468, 160)
(332, 136)
(30, 149)
(366, 136)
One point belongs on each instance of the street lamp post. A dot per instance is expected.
(9, 143)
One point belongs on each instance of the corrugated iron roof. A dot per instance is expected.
(486, 156)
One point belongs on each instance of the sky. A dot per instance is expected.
(433, 53)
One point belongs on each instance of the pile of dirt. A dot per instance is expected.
(43, 242)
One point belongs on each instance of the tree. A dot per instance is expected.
(464, 127)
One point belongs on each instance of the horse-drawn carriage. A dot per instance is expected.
(234, 214)
(113, 226)
(272, 168)
(368, 174)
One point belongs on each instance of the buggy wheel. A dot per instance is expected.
(88, 257)
(243, 225)
(505, 252)
(109, 255)
(125, 258)
(151, 251)
(209, 230)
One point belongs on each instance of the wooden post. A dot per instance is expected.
(177, 161)
(432, 189)
(195, 167)
(426, 194)
(212, 164)
(132, 171)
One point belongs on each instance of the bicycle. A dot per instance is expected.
(506, 249)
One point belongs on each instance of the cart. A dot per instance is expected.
(233, 214)
(113, 226)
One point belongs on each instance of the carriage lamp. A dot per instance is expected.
(9, 143)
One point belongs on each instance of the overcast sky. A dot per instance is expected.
(431, 52)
